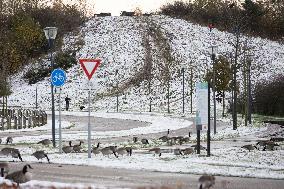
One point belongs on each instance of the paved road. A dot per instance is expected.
(131, 178)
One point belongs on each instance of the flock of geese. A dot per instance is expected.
(205, 181)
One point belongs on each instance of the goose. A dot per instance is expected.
(4, 166)
(68, 149)
(277, 139)
(96, 149)
(15, 153)
(45, 142)
(40, 155)
(270, 146)
(129, 150)
(78, 147)
(188, 151)
(206, 181)
(201, 147)
(156, 151)
(107, 151)
(9, 140)
(166, 137)
(145, 141)
(21, 176)
(121, 151)
(177, 151)
(82, 107)
(249, 147)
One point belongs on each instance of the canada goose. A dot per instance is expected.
(129, 150)
(188, 151)
(78, 147)
(270, 147)
(165, 137)
(206, 181)
(82, 107)
(15, 153)
(201, 147)
(21, 176)
(9, 140)
(107, 151)
(121, 151)
(177, 151)
(156, 151)
(249, 147)
(68, 149)
(144, 141)
(4, 166)
(40, 155)
(96, 149)
(277, 139)
(45, 142)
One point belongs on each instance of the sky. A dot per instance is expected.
(116, 6)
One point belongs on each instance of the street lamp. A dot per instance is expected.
(182, 71)
(213, 57)
(50, 34)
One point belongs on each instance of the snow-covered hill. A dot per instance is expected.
(135, 45)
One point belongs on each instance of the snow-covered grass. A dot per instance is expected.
(120, 43)
(36, 184)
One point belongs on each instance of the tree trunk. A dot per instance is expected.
(223, 96)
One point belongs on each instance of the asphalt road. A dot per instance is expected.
(110, 177)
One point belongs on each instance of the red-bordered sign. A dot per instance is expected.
(89, 66)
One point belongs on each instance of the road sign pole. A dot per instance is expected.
(89, 121)
(60, 133)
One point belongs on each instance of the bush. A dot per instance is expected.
(268, 97)
(62, 60)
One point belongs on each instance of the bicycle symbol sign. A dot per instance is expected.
(58, 77)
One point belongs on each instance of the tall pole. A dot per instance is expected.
(149, 85)
(191, 88)
(59, 128)
(214, 89)
(249, 93)
(168, 95)
(209, 125)
(89, 120)
(182, 70)
(50, 41)
(36, 97)
(116, 73)
(235, 84)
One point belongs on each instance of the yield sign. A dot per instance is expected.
(89, 66)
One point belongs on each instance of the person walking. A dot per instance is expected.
(67, 100)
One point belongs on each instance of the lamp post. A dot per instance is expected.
(213, 57)
(116, 74)
(50, 34)
(182, 70)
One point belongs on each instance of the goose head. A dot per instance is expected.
(25, 168)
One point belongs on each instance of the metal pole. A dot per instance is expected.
(168, 95)
(182, 90)
(36, 97)
(214, 89)
(198, 140)
(191, 88)
(249, 93)
(208, 130)
(117, 97)
(60, 133)
(52, 104)
(89, 121)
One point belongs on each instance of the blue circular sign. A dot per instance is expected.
(58, 77)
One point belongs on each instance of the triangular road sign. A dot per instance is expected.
(89, 66)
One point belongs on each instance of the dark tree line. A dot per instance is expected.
(261, 18)
(268, 96)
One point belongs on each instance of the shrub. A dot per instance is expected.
(62, 60)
